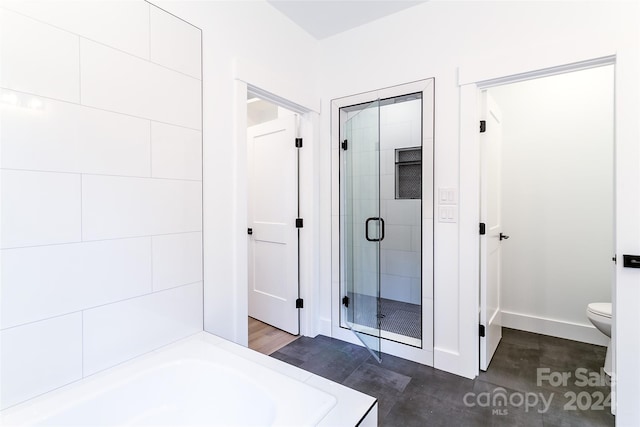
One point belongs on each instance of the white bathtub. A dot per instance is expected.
(201, 380)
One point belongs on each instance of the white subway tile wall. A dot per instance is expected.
(101, 182)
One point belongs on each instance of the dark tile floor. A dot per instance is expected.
(510, 393)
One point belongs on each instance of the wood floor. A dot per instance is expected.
(266, 339)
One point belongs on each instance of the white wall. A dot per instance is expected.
(101, 188)
(557, 201)
(240, 39)
(458, 42)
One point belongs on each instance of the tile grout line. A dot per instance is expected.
(82, 310)
(105, 174)
(99, 240)
(48, 24)
(66, 101)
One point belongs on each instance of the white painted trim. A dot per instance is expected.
(275, 80)
(625, 292)
(555, 328)
(425, 354)
(477, 72)
(465, 359)
(309, 199)
(240, 310)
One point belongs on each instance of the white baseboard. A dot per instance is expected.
(555, 328)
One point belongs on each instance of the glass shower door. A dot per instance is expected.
(362, 225)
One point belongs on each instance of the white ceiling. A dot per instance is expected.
(325, 18)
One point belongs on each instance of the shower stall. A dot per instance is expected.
(385, 175)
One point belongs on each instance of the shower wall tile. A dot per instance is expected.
(120, 24)
(39, 208)
(397, 288)
(176, 152)
(40, 357)
(401, 263)
(398, 237)
(175, 43)
(399, 213)
(115, 207)
(65, 137)
(115, 81)
(28, 47)
(118, 332)
(46, 281)
(177, 260)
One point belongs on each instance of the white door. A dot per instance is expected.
(490, 242)
(273, 208)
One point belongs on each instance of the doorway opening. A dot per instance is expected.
(273, 212)
(547, 185)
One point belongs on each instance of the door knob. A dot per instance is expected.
(503, 236)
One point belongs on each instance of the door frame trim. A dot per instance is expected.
(268, 81)
(427, 87)
(467, 359)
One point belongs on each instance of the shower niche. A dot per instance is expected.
(384, 171)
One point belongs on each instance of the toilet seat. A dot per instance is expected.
(600, 308)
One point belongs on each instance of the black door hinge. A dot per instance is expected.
(298, 142)
(299, 303)
(483, 126)
(345, 301)
(483, 229)
(299, 223)
(344, 144)
(481, 331)
(249, 231)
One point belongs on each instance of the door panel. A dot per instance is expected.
(273, 244)
(490, 243)
(362, 226)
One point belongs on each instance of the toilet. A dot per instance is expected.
(599, 313)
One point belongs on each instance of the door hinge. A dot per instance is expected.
(483, 229)
(615, 259)
(481, 331)
(299, 223)
(344, 144)
(299, 303)
(483, 126)
(298, 142)
(249, 231)
(345, 301)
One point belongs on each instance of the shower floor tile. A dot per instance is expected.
(411, 394)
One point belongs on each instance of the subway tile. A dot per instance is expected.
(398, 237)
(120, 24)
(118, 332)
(46, 281)
(397, 213)
(402, 263)
(39, 208)
(66, 137)
(114, 207)
(119, 82)
(177, 260)
(396, 288)
(40, 357)
(28, 48)
(176, 152)
(175, 43)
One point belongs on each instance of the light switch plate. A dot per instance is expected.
(448, 214)
(447, 196)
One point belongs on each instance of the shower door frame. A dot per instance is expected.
(423, 355)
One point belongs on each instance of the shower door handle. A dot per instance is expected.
(366, 228)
